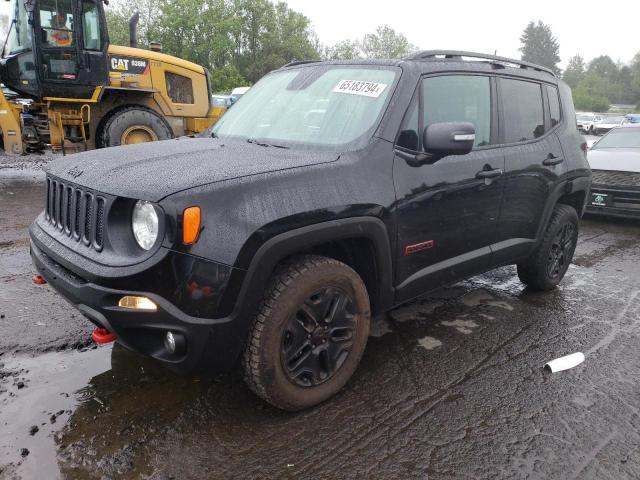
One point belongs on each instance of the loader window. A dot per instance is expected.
(56, 23)
(179, 88)
(19, 31)
(91, 26)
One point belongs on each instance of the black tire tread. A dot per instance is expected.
(285, 274)
(532, 272)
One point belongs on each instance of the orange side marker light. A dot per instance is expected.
(190, 225)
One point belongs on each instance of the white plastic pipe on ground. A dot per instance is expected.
(565, 363)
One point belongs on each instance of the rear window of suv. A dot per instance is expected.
(522, 109)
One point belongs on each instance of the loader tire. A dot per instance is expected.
(134, 125)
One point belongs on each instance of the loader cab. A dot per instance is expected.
(56, 48)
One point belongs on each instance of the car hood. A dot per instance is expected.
(618, 159)
(152, 171)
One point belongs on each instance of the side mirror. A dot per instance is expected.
(451, 138)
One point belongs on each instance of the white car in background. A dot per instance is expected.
(239, 91)
(586, 121)
(606, 124)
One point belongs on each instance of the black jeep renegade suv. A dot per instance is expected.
(330, 192)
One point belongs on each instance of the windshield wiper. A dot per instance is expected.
(261, 143)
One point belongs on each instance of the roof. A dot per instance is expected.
(459, 55)
(438, 60)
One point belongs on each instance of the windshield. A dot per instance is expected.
(584, 118)
(323, 106)
(620, 138)
(19, 38)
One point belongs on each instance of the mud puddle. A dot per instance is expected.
(87, 414)
(37, 397)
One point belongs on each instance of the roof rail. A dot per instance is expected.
(299, 62)
(457, 55)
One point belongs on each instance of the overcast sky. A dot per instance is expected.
(586, 27)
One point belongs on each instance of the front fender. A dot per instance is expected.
(246, 288)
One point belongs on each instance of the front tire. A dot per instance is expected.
(309, 334)
(547, 265)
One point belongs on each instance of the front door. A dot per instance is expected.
(447, 212)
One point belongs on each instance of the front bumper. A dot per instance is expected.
(213, 344)
(620, 202)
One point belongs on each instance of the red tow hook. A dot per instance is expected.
(38, 280)
(102, 335)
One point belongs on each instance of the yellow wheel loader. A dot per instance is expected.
(75, 91)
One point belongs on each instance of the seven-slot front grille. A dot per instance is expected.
(614, 178)
(79, 213)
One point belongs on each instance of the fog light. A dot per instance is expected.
(175, 343)
(138, 303)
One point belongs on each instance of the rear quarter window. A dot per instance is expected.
(554, 105)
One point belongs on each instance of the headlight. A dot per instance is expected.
(144, 223)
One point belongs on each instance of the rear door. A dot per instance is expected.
(447, 212)
(534, 162)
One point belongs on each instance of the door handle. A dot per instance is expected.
(483, 174)
(552, 160)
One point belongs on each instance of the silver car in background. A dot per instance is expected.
(606, 124)
(615, 163)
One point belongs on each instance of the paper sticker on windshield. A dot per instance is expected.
(360, 87)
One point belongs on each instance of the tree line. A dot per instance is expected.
(596, 84)
(240, 40)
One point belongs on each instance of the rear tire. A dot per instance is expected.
(309, 334)
(547, 265)
(134, 125)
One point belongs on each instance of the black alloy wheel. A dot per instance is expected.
(318, 337)
(549, 262)
(309, 333)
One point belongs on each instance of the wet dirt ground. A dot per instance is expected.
(450, 387)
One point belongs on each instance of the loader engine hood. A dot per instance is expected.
(152, 171)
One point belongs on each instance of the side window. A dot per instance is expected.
(409, 136)
(91, 26)
(459, 98)
(554, 105)
(56, 22)
(179, 88)
(522, 109)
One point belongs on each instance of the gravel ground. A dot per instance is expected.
(451, 386)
